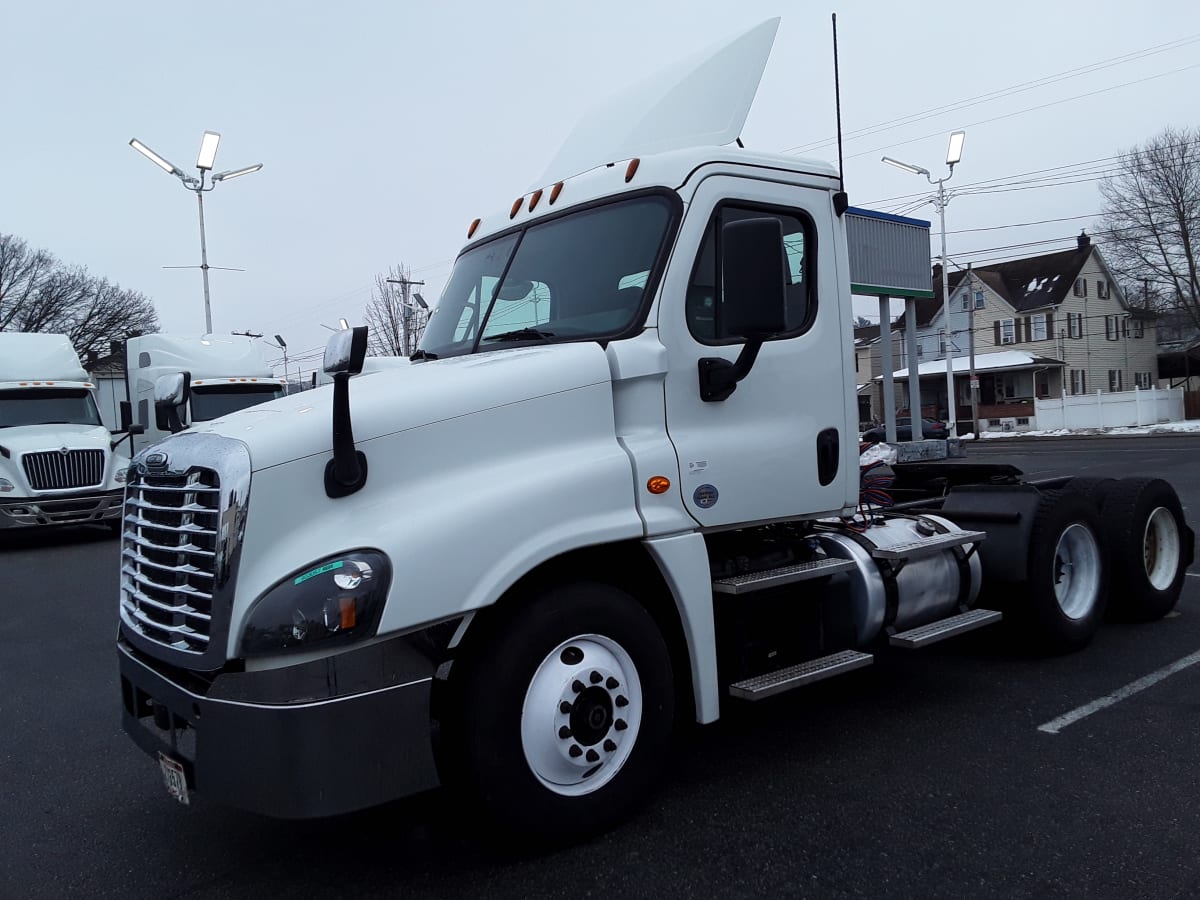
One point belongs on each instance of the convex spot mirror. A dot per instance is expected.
(346, 351)
(754, 278)
(514, 290)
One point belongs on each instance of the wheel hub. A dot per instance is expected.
(591, 716)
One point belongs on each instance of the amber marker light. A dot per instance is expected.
(516, 207)
(533, 201)
(474, 227)
(555, 191)
(631, 169)
(658, 484)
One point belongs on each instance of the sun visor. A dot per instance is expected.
(700, 101)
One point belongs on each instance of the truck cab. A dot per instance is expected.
(58, 464)
(226, 373)
(616, 487)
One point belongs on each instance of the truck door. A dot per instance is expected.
(776, 447)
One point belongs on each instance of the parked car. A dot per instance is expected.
(930, 428)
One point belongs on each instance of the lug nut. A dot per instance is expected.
(564, 708)
(577, 685)
(593, 756)
(621, 701)
(609, 746)
(576, 751)
(564, 732)
(596, 678)
(612, 684)
(620, 724)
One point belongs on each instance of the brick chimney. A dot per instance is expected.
(1083, 240)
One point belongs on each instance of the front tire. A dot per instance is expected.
(566, 714)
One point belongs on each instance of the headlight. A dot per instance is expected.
(6, 486)
(337, 599)
(121, 474)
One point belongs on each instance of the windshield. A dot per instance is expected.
(214, 402)
(40, 406)
(578, 277)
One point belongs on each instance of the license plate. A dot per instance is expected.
(174, 778)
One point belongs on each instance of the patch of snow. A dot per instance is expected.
(1187, 427)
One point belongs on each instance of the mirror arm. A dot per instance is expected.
(346, 473)
(719, 377)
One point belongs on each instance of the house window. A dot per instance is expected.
(1008, 331)
(1101, 288)
(1112, 328)
(1139, 328)
(1022, 420)
(979, 299)
(1080, 287)
(1078, 381)
(1125, 327)
(1006, 386)
(1075, 325)
(942, 341)
(966, 302)
(920, 349)
(1038, 327)
(1114, 380)
(1142, 380)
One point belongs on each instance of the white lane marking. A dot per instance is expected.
(1193, 574)
(1054, 726)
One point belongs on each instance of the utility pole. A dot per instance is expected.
(974, 380)
(405, 337)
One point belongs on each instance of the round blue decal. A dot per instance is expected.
(705, 496)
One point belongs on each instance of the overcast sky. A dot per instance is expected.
(385, 128)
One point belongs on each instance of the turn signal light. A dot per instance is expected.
(474, 226)
(533, 201)
(631, 169)
(516, 207)
(658, 484)
(555, 191)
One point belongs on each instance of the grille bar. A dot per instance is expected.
(189, 528)
(185, 589)
(185, 569)
(146, 600)
(53, 470)
(191, 634)
(158, 507)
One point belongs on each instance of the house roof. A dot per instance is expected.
(1034, 282)
(1003, 360)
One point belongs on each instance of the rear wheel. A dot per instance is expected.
(1066, 590)
(565, 714)
(1149, 543)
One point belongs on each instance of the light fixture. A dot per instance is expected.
(912, 170)
(954, 151)
(345, 325)
(208, 151)
(420, 300)
(282, 342)
(164, 164)
(237, 173)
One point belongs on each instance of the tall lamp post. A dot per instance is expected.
(208, 156)
(953, 155)
(281, 344)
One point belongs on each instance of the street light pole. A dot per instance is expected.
(953, 156)
(204, 162)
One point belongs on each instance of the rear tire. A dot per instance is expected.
(565, 715)
(1150, 546)
(1065, 591)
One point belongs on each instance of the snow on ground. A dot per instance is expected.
(1160, 428)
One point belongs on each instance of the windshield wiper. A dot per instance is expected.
(422, 354)
(521, 334)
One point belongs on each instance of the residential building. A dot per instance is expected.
(1044, 326)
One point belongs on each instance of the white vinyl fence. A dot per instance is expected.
(1100, 410)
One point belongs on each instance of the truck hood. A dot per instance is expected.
(406, 397)
(29, 438)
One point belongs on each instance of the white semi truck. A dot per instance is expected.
(58, 464)
(225, 373)
(617, 488)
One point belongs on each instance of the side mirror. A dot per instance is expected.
(753, 303)
(128, 426)
(171, 394)
(753, 279)
(346, 351)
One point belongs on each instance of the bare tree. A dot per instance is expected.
(395, 321)
(1152, 213)
(39, 293)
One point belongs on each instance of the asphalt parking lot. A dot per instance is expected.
(930, 774)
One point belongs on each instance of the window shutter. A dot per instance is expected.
(1017, 330)
(1049, 326)
(996, 332)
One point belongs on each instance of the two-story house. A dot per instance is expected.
(1043, 326)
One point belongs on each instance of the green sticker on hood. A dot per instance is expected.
(315, 572)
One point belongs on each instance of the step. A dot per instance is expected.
(762, 686)
(945, 628)
(930, 546)
(769, 578)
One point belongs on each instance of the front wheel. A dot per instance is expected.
(566, 713)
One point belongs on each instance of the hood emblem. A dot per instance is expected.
(63, 450)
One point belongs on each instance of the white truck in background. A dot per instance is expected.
(226, 373)
(616, 488)
(59, 465)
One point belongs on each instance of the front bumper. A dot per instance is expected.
(78, 508)
(315, 739)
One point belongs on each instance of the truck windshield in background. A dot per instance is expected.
(48, 406)
(213, 402)
(578, 277)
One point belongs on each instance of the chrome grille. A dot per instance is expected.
(53, 470)
(169, 557)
